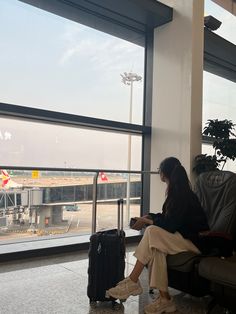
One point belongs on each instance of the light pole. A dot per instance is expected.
(129, 79)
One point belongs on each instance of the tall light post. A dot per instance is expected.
(129, 79)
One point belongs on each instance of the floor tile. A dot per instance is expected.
(58, 285)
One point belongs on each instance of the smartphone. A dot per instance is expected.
(132, 222)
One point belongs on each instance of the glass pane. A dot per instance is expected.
(107, 206)
(219, 98)
(34, 144)
(52, 63)
(208, 149)
(50, 204)
(227, 29)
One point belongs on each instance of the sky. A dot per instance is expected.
(228, 26)
(61, 65)
(52, 63)
(219, 94)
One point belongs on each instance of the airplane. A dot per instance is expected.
(103, 176)
(7, 182)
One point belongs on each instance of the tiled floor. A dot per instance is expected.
(57, 285)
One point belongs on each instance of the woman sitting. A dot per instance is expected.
(174, 230)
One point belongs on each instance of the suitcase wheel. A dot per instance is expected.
(117, 306)
(92, 303)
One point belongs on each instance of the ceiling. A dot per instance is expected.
(126, 19)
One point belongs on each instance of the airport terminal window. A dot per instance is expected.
(207, 149)
(227, 29)
(219, 94)
(34, 144)
(52, 63)
(219, 98)
(63, 66)
(36, 205)
(219, 102)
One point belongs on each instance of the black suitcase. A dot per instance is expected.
(106, 260)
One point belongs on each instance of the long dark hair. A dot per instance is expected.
(179, 185)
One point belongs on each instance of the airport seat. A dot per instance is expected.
(222, 276)
(216, 192)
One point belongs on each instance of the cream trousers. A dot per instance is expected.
(153, 248)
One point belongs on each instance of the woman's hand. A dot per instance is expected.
(142, 222)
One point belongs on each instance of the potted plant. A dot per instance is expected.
(221, 132)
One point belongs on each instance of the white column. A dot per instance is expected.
(177, 90)
(129, 156)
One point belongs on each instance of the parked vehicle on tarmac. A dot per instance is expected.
(71, 208)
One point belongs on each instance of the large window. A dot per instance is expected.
(227, 29)
(49, 62)
(60, 67)
(230, 165)
(219, 102)
(219, 94)
(33, 144)
(219, 98)
(36, 205)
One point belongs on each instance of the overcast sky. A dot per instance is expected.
(53, 63)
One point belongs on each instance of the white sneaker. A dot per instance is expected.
(124, 289)
(159, 306)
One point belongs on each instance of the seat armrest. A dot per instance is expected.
(209, 233)
(183, 261)
(216, 243)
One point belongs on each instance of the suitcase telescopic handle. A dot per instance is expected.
(120, 215)
(120, 203)
(94, 211)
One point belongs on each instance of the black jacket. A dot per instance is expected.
(184, 215)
